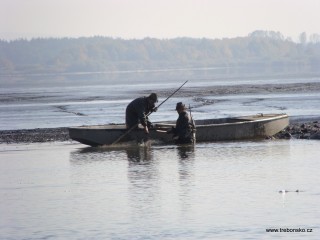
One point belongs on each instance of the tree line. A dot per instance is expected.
(63, 55)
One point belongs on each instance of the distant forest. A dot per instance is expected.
(64, 55)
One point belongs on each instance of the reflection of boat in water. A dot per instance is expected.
(131, 152)
(223, 129)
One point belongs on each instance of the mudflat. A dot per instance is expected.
(34, 135)
(304, 128)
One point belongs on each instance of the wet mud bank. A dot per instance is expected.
(34, 135)
(239, 89)
(301, 130)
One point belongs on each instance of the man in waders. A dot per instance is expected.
(183, 132)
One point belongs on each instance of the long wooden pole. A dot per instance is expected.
(134, 126)
(170, 96)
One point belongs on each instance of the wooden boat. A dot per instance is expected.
(223, 129)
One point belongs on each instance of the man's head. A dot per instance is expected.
(180, 106)
(153, 98)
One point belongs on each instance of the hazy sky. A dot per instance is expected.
(156, 18)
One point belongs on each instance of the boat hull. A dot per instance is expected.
(250, 127)
(224, 129)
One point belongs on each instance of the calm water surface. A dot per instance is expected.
(210, 191)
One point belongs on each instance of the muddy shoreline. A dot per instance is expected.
(297, 129)
(239, 89)
(301, 130)
(37, 135)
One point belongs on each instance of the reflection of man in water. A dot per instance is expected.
(182, 133)
(138, 154)
(185, 151)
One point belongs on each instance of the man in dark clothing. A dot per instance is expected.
(138, 110)
(183, 132)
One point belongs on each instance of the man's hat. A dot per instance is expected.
(153, 97)
(180, 105)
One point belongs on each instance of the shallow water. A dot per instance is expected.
(211, 191)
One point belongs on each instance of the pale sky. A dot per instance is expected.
(162, 19)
